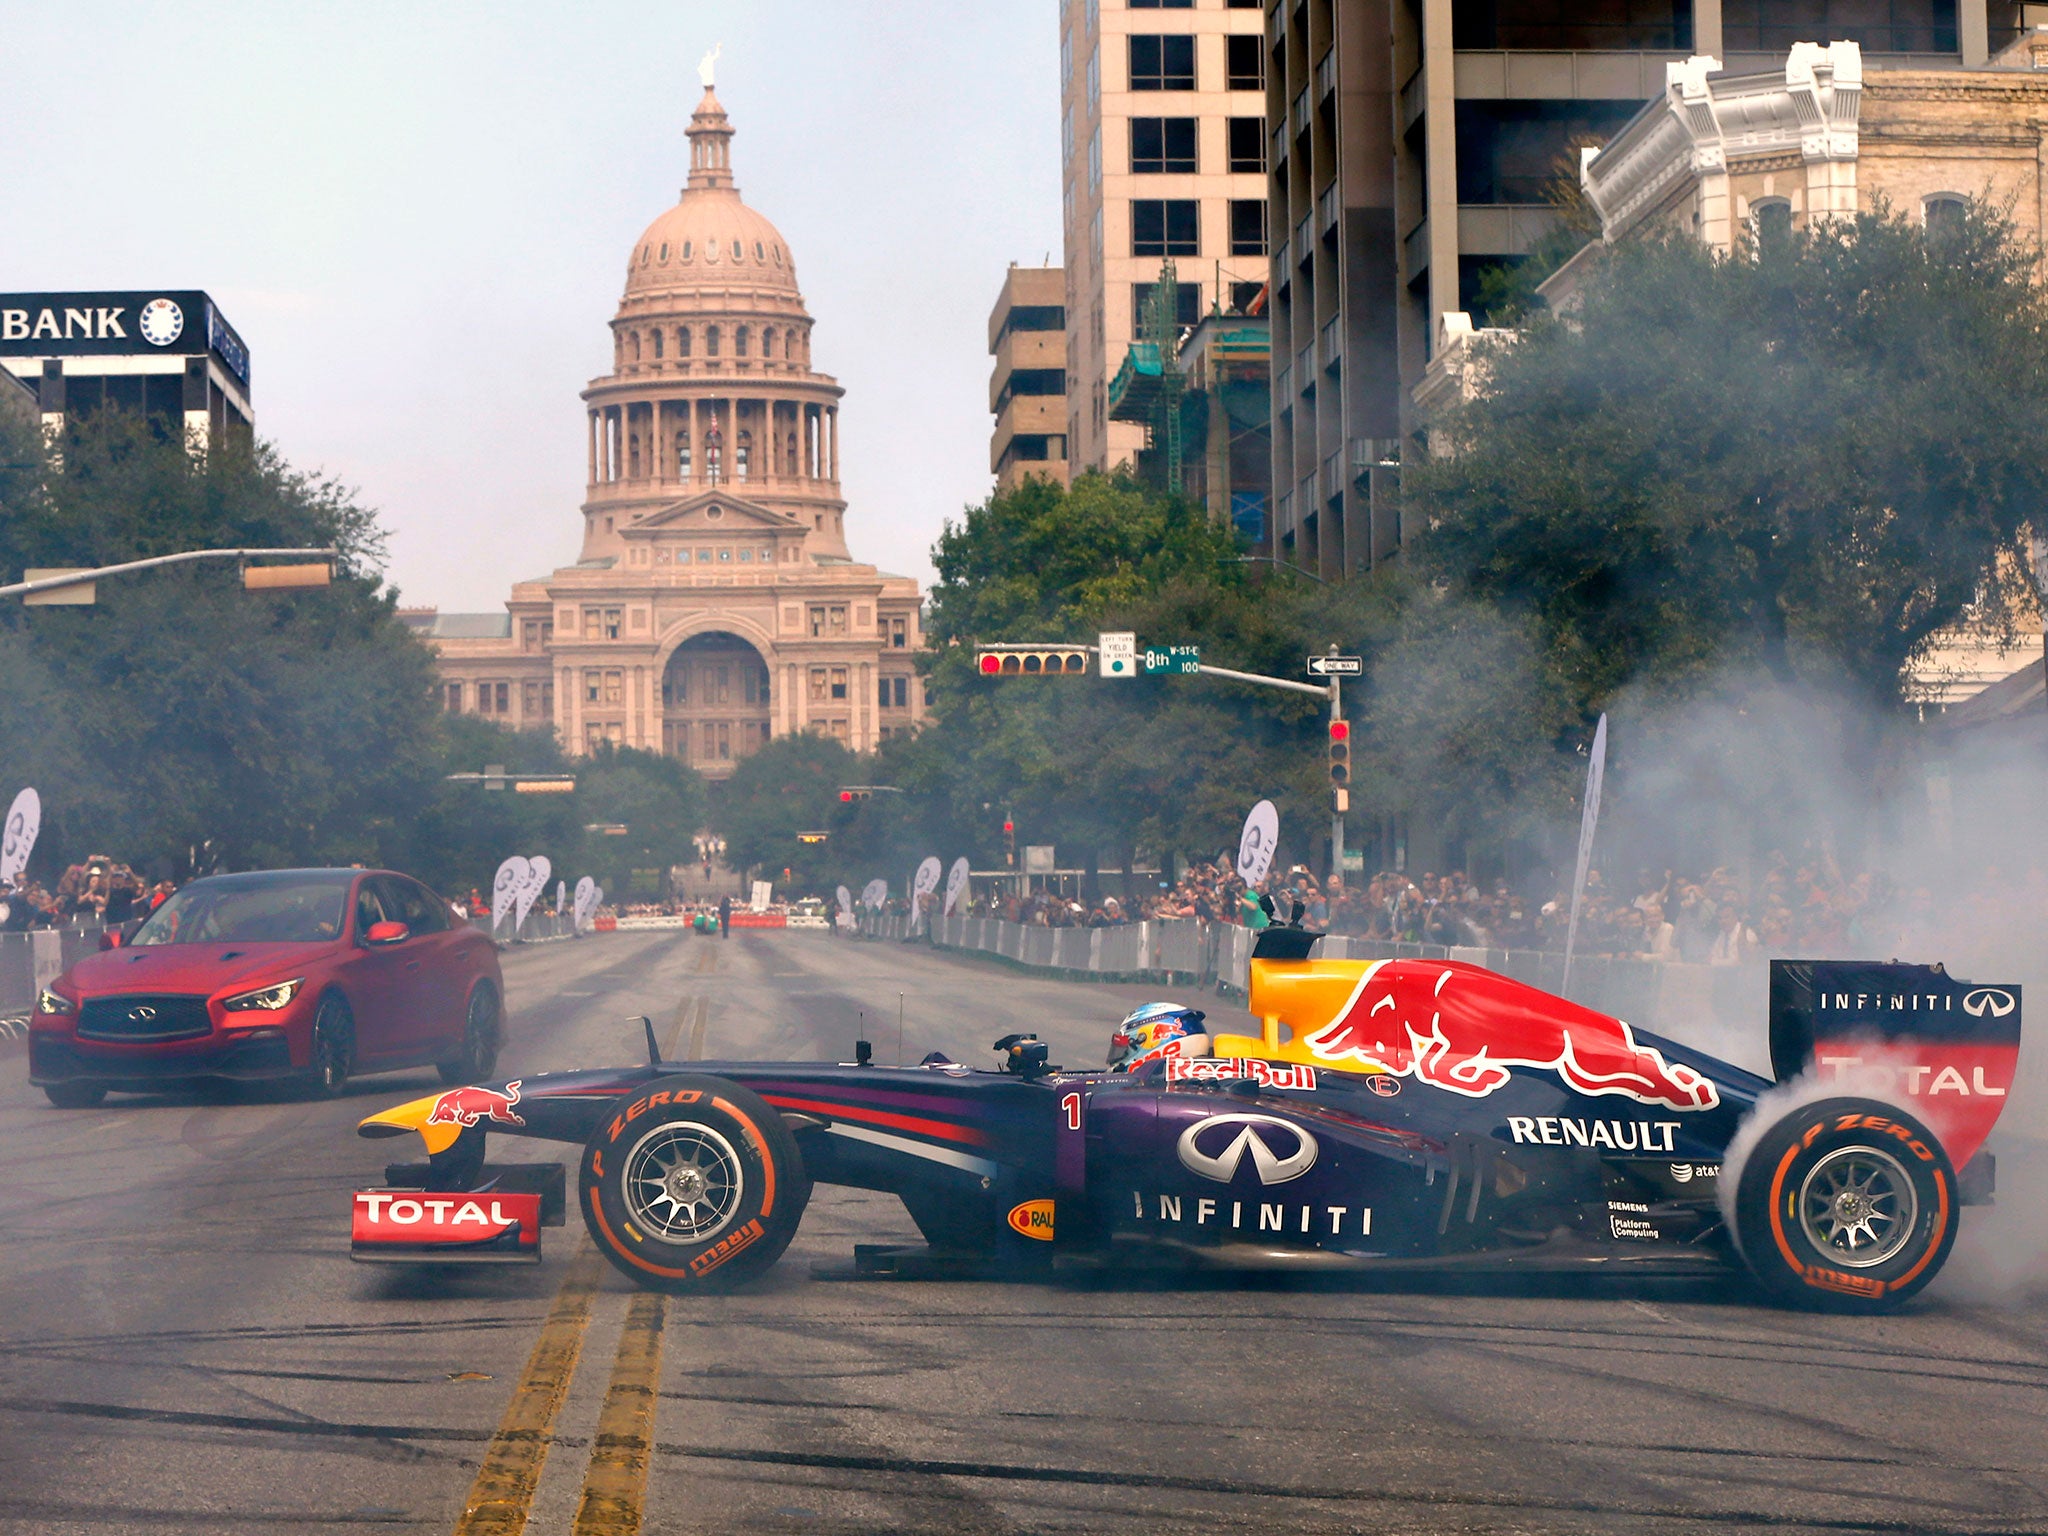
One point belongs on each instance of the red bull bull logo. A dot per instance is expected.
(466, 1106)
(1462, 1028)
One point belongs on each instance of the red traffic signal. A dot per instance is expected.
(1033, 661)
(1009, 828)
(1340, 753)
(846, 797)
(1340, 730)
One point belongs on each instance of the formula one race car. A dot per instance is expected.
(1406, 1115)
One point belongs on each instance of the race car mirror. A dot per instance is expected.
(1024, 1055)
(1284, 942)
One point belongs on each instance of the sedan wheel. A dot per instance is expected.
(334, 1049)
(480, 1033)
(75, 1095)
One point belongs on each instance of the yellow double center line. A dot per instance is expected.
(502, 1494)
(615, 1487)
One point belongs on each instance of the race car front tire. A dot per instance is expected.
(1846, 1205)
(692, 1185)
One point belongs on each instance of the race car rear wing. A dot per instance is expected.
(1910, 1034)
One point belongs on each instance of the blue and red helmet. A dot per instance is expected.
(1149, 1028)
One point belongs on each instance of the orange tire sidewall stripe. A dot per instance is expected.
(1777, 1218)
(760, 1150)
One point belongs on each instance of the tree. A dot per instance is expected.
(790, 785)
(659, 800)
(1806, 460)
(182, 721)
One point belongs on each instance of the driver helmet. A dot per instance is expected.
(1147, 1029)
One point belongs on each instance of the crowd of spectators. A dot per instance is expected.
(1719, 918)
(98, 890)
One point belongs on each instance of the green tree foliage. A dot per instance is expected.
(182, 719)
(1105, 768)
(1804, 462)
(659, 800)
(790, 785)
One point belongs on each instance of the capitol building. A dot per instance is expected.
(715, 604)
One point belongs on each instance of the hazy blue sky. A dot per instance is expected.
(418, 217)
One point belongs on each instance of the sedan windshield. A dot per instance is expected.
(291, 908)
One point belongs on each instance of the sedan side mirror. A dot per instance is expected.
(387, 933)
(110, 938)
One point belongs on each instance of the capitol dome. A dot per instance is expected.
(710, 238)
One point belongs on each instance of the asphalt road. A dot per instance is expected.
(184, 1346)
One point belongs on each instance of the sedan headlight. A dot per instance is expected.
(265, 999)
(48, 1001)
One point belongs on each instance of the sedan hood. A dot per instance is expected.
(190, 968)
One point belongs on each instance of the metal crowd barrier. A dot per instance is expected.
(31, 961)
(1718, 1009)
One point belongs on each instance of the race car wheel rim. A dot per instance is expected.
(1858, 1206)
(683, 1182)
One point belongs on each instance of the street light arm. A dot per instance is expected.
(1320, 690)
(76, 578)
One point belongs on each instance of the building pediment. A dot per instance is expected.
(713, 511)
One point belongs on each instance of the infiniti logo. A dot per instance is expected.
(1998, 1001)
(1252, 1133)
(141, 1015)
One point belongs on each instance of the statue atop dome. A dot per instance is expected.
(707, 63)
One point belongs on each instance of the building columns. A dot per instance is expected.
(1706, 27)
(1440, 125)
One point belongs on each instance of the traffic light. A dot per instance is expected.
(1010, 841)
(850, 793)
(1032, 661)
(1340, 753)
(812, 837)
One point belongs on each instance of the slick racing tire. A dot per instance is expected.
(480, 1036)
(1846, 1205)
(692, 1185)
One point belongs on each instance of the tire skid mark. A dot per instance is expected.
(157, 1517)
(1751, 1411)
(1185, 1483)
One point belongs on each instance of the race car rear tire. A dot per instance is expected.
(692, 1185)
(1846, 1205)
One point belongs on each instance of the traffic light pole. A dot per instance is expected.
(1336, 795)
(1333, 691)
(81, 578)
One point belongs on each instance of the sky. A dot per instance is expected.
(418, 218)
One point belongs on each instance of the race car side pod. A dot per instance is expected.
(1910, 1035)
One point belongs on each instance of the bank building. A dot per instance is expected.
(715, 604)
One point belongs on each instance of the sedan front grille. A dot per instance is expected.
(143, 1018)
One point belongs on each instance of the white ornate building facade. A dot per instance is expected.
(715, 605)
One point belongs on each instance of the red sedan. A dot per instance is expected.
(300, 974)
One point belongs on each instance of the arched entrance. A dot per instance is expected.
(714, 702)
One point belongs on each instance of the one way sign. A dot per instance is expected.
(1336, 666)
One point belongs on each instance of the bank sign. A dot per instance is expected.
(118, 324)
